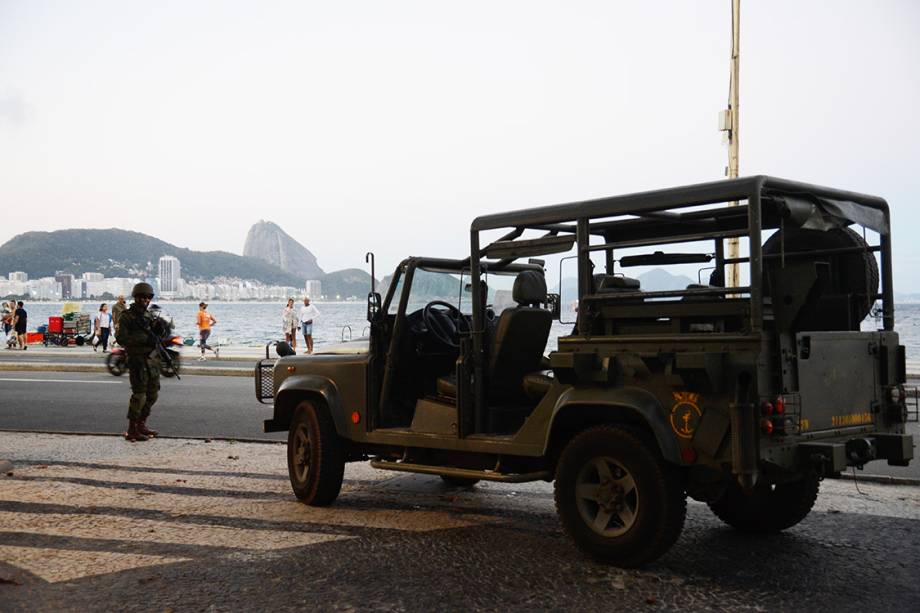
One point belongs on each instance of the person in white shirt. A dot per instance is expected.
(102, 325)
(308, 313)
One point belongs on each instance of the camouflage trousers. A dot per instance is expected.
(144, 373)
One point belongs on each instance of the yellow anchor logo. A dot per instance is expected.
(685, 414)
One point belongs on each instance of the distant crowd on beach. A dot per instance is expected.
(15, 321)
(104, 325)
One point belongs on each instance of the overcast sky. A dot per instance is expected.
(388, 126)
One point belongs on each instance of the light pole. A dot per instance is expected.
(728, 123)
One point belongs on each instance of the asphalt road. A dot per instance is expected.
(196, 406)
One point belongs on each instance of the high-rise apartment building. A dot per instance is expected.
(19, 276)
(66, 281)
(169, 275)
(314, 289)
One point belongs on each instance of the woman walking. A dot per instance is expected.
(289, 322)
(102, 325)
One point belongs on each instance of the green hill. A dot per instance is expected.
(122, 253)
(346, 283)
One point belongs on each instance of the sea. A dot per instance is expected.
(254, 324)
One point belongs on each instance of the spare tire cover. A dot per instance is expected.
(854, 273)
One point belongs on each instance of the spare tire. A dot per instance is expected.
(854, 273)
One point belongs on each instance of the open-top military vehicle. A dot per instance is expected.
(743, 397)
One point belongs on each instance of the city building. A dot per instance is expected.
(19, 276)
(170, 275)
(314, 289)
(66, 281)
(93, 276)
(46, 288)
(119, 286)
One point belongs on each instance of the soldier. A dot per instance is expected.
(134, 335)
(117, 309)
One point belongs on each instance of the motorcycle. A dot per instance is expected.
(162, 327)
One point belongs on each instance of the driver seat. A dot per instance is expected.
(518, 342)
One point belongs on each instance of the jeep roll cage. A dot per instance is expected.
(650, 218)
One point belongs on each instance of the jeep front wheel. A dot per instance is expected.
(768, 508)
(316, 458)
(617, 498)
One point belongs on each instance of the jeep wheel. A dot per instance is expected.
(617, 498)
(769, 508)
(459, 481)
(316, 458)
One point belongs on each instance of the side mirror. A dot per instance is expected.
(554, 304)
(373, 306)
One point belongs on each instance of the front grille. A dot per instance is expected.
(265, 380)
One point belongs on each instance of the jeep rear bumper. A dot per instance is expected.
(835, 456)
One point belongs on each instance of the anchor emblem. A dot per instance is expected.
(685, 414)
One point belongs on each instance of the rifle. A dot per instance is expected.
(158, 342)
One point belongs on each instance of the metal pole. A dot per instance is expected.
(733, 272)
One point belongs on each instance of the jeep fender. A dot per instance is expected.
(294, 388)
(627, 404)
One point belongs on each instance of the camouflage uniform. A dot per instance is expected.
(143, 362)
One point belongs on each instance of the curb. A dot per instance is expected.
(84, 355)
(98, 368)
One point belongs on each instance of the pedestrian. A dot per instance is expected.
(308, 313)
(289, 324)
(117, 309)
(20, 323)
(205, 321)
(6, 314)
(142, 361)
(102, 325)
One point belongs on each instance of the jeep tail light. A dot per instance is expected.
(766, 408)
(766, 426)
(780, 406)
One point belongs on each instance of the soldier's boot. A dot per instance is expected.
(143, 429)
(133, 434)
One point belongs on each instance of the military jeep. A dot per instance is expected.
(743, 397)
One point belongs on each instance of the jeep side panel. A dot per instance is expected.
(340, 380)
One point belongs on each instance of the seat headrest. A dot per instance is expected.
(529, 288)
(610, 282)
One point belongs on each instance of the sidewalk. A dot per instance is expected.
(94, 522)
(227, 352)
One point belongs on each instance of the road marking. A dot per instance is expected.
(56, 565)
(55, 380)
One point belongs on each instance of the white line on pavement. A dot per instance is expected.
(56, 381)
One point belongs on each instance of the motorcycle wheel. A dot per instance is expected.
(116, 364)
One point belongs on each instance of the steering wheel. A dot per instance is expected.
(445, 322)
